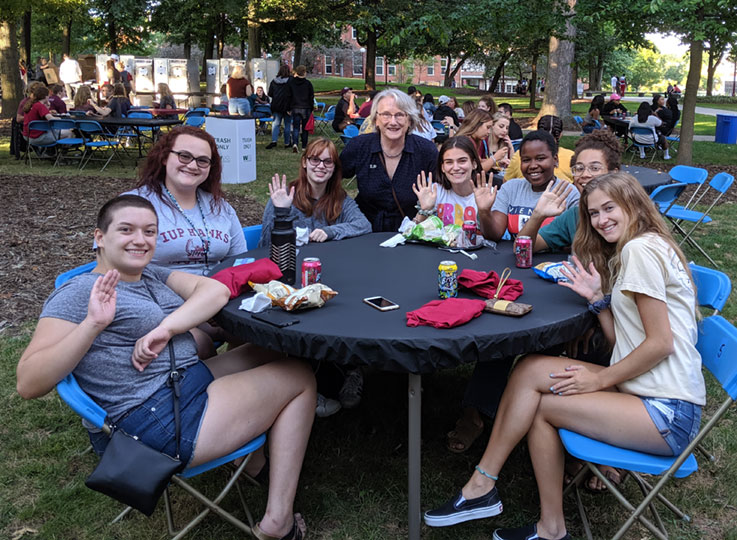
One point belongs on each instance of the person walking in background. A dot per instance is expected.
(126, 78)
(615, 84)
(281, 97)
(70, 74)
(239, 88)
(622, 85)
(301, 105)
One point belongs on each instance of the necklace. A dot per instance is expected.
(203, 237)
(391, 156)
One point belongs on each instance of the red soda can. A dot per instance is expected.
(523, 251)
(311, 271)
(469, 230)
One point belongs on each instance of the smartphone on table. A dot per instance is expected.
(381, 303)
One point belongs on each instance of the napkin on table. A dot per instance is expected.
(485, 284)
(236, 278)
(446, 313)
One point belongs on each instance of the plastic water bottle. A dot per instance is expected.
(284, 249)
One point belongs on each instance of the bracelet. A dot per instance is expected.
(487, 475)
(600, 305)
(426, 213)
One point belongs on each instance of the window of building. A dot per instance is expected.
(392, 69)
(357, 63)
(443, 64)
(379, 65)
(354, 33)
(328, 65)
(431, 69)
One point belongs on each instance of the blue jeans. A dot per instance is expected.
(299, 120)
(677, 421)
(153, 421)
(239, 106)
(278, 117)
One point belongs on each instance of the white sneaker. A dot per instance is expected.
(642, 154)
(326, 406)
(350, 393)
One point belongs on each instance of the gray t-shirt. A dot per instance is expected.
(180, 248)
(106, 372)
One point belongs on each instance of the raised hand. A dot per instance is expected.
(552, 202)
(426, 191)
(101, 307)
(280, 197)
(149, 346)
(318, 235)
(483, 193)
(586, 283)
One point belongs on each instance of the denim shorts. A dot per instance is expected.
(153, 421)
(678, 421)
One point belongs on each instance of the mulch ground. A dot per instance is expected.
(48, 224)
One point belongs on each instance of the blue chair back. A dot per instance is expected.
(253, 235)
(578, 120)
(718, 348)
(62, 124)
(69, 274)
(39, 125)
(438, 125)
(140, 114)
(665, 196)
(688, 175)
(721, 182)
(194, 121)
(90, 127)
(81, 403)
(712, 286)
(350, 131)
(194, 112)
(644, 132)
(516, 144)
(203, 110)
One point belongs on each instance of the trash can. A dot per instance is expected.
(726, 129)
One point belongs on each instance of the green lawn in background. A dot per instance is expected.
(723, 106)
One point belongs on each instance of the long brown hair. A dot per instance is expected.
(330, 205)
(643, 218)
(473, 120)
(152, 173)
(83, 94)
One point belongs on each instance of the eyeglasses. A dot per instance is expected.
(315, 161)
(594, 168)
(387, 116)
(186, 158)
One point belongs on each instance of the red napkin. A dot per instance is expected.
(446, 313)
(485, 284)
(236, 278)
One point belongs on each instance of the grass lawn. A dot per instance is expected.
(353, 485)
(723, 106)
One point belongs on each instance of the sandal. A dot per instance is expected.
(572, 468)
(614, 475)
(463, 436)
(297, 532)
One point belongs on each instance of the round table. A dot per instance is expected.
(647, 177)
(347, 331)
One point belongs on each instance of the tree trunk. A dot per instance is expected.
(243, 49)
(716, 53)
(451, 73)
(574, 81)
(533, 81)
(592, 73)
(685, 147)
(187, 46)
(254, 32)
(207, 54)
(66, 41)
(298, 46)
(112, 36)
(370, 62)
(599, 71)
(221, 35)
(557, 98)
(499, 71)
(10, 80)
(26, 43)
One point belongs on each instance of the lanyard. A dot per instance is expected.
(205, 241)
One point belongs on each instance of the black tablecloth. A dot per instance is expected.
(347, 331)
(648, 178)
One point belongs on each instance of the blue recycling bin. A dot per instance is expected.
(726, 129)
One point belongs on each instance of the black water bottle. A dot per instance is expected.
(284, 248)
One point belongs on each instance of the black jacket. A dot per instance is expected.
(303, 95)
(442, 111)
(281, 94)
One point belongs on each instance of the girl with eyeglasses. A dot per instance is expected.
(197, 227)
(316, 199)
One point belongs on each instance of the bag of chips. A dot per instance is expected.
(550, 271)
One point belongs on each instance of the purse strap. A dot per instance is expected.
(174, 377)
(391, 185)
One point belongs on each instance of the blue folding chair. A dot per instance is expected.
(73, 395)
(38, 149)
(349, 132)
(674, 139)
(647, 132)
(194, 120)
(67, 144)
(69, 274)
(720, 183)
(666, 196)
(97, 141)
(717, 345)
(324, 122)
(689, 175)
(516, 143)
(253, 235)
(712, 287)
(144, 132)
(579, 121)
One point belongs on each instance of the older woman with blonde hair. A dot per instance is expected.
(238, 90)
(386, 162)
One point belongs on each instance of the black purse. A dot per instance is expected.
(131, 471)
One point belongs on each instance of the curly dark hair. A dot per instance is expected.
(152, 172)
(604, 141)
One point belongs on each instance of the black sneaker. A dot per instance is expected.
(458, 509)
(528, 532)
(271, 145)
(287, 146)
